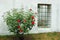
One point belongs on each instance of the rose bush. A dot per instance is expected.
(19, 21)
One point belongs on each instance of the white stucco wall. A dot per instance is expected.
(58, 16)
(26, 4)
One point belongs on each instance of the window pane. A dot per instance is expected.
(44, 15)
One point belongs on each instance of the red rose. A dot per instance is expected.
(30, 9)
(24, 20)
(33, 22)
(21, 30)
(18, 21)
(18, 26)
(32, 17)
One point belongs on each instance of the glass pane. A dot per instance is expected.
(44, 16)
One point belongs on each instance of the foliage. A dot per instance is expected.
(19, 21)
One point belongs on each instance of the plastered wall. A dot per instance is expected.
(6, 5)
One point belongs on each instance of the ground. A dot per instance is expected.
(40, 36)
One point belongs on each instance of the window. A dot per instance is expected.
(44, 15)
